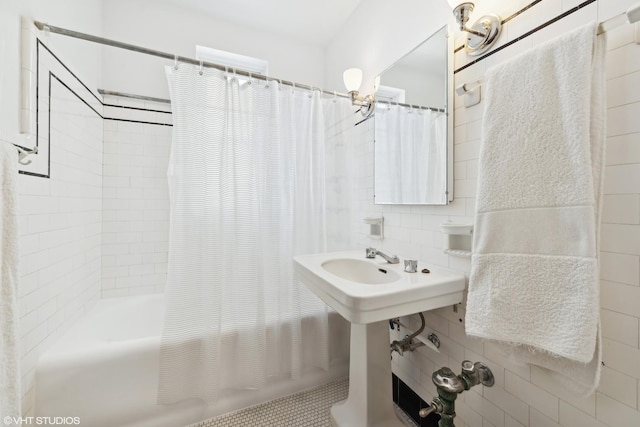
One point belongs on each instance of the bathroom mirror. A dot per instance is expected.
(413, 126)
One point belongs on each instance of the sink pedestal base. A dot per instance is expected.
(370, 401)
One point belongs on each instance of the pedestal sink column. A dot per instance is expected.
(370, 402)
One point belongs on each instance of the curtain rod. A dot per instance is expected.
(417, 107)
(108, 42)
(129, 95)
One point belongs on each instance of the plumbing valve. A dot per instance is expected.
(476, 373)
(449, 385)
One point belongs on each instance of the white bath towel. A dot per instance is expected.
(534, 282)
(9, 311)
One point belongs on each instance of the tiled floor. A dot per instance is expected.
(306, 409)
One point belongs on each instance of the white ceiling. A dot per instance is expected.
(312, 21)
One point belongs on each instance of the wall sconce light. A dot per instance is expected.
(483, 33)
(352, 80)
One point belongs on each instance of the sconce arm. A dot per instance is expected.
(472, 31)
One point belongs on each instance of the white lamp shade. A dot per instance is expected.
(352, 79)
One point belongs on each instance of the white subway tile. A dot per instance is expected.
(114, 293)
(484, 407)
(621, 357)
(623, 90)
(620, 268)
(539, 419)
(619, 386)
(623, 149)
(467, 414)
(614, 413)
(512, 422)
(622, 120)
(513, 406)
(623, 60)
(621, 209)
(622, 179)
(620, 238)
(620, 298)
(620, 327)
(550, 382)
(535, 396)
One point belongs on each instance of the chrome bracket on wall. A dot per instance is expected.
(471, 92)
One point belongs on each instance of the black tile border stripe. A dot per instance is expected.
(138, 121)
(524, 9)
(68, 70)
(39, 43)
(528, 33)
(135, 108)
(52, 74)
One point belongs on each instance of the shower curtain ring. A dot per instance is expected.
(175, 62)
(200, 67)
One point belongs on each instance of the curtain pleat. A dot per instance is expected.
(247, 186)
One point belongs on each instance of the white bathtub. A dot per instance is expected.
(104, 370)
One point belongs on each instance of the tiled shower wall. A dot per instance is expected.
(136, 199)
(60, 231)
(523, 395)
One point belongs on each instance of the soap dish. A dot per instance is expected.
(458, 239)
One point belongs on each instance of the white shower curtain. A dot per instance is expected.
(247, 193)
(410, 157)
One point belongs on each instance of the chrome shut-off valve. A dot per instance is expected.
(449, 385)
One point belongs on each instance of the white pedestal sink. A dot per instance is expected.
(369, 292)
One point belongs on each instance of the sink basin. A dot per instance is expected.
(360, 271)
(369, 290)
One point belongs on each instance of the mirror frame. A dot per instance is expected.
(449, 106)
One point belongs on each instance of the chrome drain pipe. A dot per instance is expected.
(407, 344)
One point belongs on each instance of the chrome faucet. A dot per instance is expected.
(372, 252)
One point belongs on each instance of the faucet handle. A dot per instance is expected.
(410, 265)
(371, 252)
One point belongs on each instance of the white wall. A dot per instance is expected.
(522, 396)
(171, 29)
(80, 15)
(378, 34)
(60, 217)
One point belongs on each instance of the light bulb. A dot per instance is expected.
(352, 79)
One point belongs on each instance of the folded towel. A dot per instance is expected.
(534, 282)
(9, 312)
